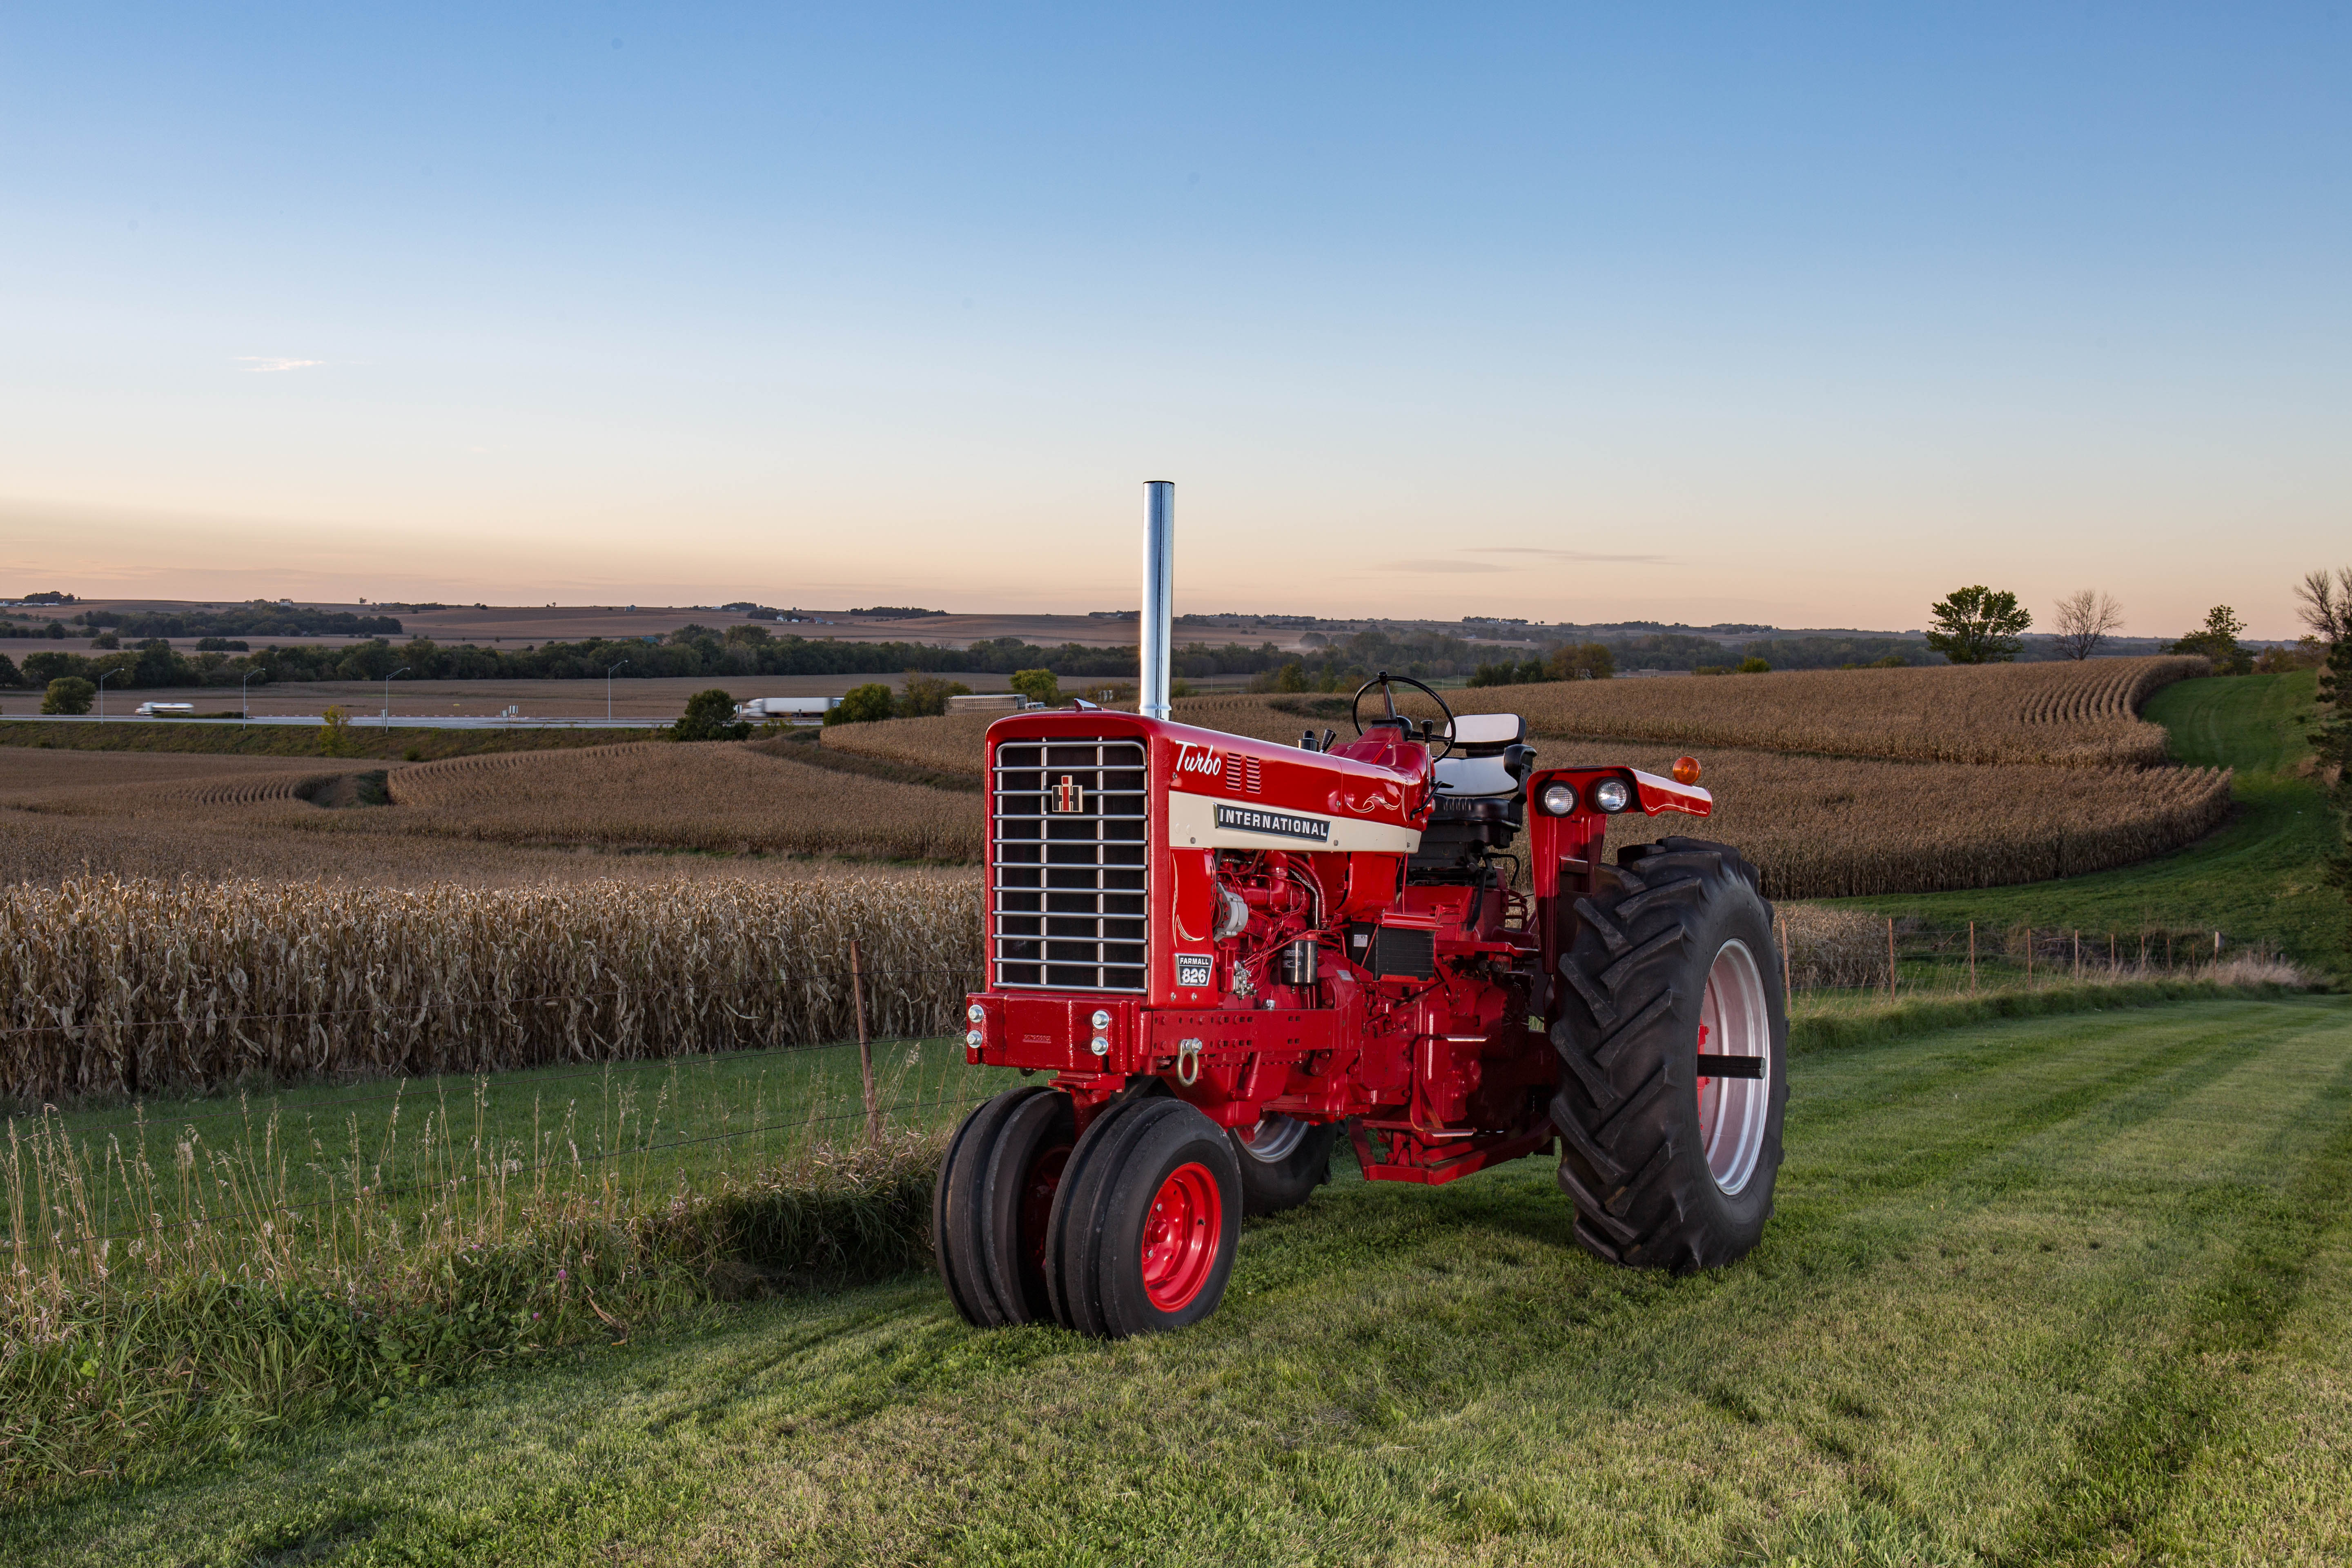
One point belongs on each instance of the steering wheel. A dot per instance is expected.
(1384, 680)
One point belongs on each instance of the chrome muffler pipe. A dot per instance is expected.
(1158, 627)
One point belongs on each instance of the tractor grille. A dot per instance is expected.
(1066, 864)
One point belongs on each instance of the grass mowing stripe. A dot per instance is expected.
(2135, 1462)
(2027, 1110)
(1411, 1375)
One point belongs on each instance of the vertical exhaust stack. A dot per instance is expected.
(1158, 627)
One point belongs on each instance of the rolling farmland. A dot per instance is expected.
(1833, 783)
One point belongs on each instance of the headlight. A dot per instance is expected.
(1101, 1020)
(1557, 800)
(1611, 795)
(973, 1038)
(976, 1013)
(1099, 1046)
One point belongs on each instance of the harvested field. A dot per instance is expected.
(47, 848)
(725, 799)
(46, 775)
(112, 986)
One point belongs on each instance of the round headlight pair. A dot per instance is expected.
(1611, 796)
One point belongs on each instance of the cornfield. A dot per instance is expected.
(952, 742)
(112, 985)
(1824, 827)
(2064, 714)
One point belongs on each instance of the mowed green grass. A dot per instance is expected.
(2071, 1289)
(2256, 879)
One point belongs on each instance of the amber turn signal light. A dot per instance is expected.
(1685, 770)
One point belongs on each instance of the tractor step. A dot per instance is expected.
(1730, 1067)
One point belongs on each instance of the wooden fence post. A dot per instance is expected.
(1785, 983)
(2078, 953)
(865, 1044)
(1890, 958)
(1972, 957)
(2029, 956)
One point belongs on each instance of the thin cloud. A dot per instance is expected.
(265, 364)
(1422, 566)
(1455, 566)
(1561, 554)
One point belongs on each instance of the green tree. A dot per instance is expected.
(1581, 661)
(2218, 640)
(335, 736)
(1755, 666)
(1978, 625)
(8, 676)
(925, 694)
(709, 716)
(1040, 686)
(2331, 740)
(863, 705)
(68, 694)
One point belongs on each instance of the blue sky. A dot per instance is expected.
(1791, 315)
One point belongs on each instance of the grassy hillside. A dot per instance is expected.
(2257, 879)
(2070, 1289)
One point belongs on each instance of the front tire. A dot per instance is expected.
(1146, 1223)
(989, 1207)
(1667, 1169)
(1281, 1162)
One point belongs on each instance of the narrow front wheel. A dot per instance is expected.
(1146, 1234)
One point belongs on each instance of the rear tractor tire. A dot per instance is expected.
(1282, 1161)
(1668, 1169)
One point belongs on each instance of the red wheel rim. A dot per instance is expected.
(1181, 1232)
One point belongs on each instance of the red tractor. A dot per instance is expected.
(1226, 950)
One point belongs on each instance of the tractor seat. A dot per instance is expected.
(1489, 759)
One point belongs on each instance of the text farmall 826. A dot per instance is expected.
(1226, 950)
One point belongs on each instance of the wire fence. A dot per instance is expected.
(1850, 951)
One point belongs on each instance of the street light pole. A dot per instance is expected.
(608, 692)
(386, 724)
(244, 707)
(102, 679)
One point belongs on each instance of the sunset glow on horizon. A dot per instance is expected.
(1792, 318)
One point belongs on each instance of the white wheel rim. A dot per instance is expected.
(1734, 1022)
(1271, 1139)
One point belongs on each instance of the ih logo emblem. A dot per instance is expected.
(1068, 796)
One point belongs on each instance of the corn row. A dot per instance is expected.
(111, 984)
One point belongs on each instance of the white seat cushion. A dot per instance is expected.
(1459, 776)
(1477, 731)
